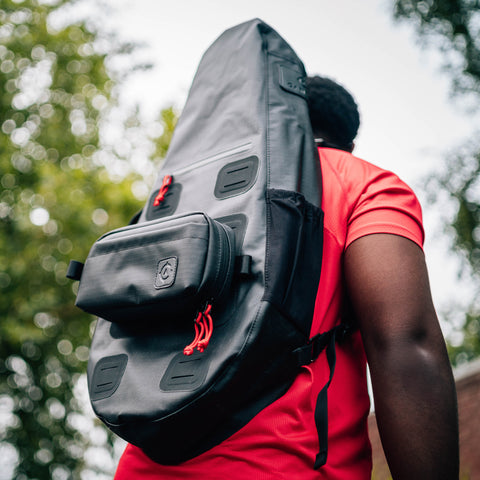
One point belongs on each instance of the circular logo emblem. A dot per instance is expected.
(166, 272)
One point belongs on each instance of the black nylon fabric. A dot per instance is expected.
(294, 255)
(149, 271)
(246, 109)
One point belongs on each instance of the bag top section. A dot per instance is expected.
(248, 96)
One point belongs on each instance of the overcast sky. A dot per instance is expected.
(408, 120)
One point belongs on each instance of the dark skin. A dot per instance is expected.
(413, 386)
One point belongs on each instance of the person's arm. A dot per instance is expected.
(413, 386)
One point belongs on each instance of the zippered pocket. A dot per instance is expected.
(235, 170)
(157, 270)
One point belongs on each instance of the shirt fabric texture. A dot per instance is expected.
(281, 441)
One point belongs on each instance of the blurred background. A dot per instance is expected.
(89, 96)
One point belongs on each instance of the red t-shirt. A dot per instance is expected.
(281, 442)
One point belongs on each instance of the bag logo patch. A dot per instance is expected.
(166, 272)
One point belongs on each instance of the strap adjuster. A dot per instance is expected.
(309, 352)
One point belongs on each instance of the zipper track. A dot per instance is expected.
(224, 266)
(218, 156)
(145, 225)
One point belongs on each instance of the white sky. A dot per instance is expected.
(408, 120)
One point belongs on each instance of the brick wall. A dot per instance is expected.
(467, 380)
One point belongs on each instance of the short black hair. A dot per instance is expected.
(333, 111)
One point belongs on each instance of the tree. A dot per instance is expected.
(62, 186)
(453, 27)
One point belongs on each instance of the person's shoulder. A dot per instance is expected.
(375, 200)
(348, 166)
(355, 174)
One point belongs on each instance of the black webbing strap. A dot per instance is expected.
(309, 352)
(74, 271)
(321, 408)
(135, 218)
(243, 265)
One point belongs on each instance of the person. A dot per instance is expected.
(373, 256)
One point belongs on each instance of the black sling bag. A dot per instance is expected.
(206, 303)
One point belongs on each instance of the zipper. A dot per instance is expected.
(226, 247)
(218, 156)
(145, 225)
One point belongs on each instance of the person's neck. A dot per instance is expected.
(324, 143)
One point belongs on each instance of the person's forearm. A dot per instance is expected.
(415, 404)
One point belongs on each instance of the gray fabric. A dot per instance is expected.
(159, 268)
(246, 100)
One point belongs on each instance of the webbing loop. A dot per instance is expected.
(167, 181)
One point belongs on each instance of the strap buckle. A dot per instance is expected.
(309, 352)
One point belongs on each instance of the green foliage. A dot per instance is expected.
(470, 335)
(168, 119)
(57, 196)
(453, 26)
(457, 186)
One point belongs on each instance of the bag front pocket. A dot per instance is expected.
(157, 269)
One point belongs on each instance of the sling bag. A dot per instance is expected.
(205, 304)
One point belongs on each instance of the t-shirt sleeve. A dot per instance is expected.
(385, 204)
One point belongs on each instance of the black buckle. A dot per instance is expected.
(319, 342)
(309, 352)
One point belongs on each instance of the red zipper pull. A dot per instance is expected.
(203, 332)
(208, 324)
(167, 181)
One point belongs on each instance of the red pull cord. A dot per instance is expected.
(199, 329)
(203, 332)
(167, 180)
(208, 324)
